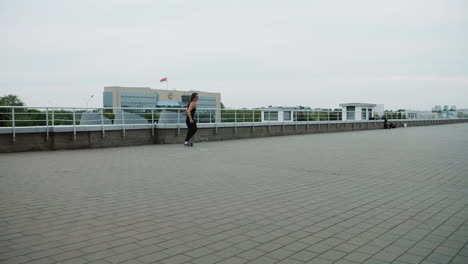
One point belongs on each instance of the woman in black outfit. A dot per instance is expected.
(190, 120)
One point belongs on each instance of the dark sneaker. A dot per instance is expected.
(187, 144)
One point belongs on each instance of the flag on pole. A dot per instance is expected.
(163, 80)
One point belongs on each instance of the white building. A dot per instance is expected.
(360, 111)
(278, 114)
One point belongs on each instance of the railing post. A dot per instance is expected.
(253, 120)
(123, 122)
(220, 119)
(102, 124)
(318, 120)
(282, 123)
(178, 122)
(152, 122)
(269, 120)
(53, 118)
(47, 124)
(295, 112)
(74, 126)
(339, 117)
(13, 123)
(235, 121)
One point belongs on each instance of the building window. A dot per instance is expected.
(369, 111)
(271, 115)
(364, 114)
(287, 115)
(350, 110)
(108, 99)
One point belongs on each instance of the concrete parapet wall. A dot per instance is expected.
(115, 138)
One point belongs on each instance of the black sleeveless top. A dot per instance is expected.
(192, 113)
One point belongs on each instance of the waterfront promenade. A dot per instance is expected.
(376, 196)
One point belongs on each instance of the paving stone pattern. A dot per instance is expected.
(379, 196)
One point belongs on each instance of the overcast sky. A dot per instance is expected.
(409, 54)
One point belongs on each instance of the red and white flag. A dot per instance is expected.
(163, 80)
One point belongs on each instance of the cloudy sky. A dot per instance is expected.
(403, 53)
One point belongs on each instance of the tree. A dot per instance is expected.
(5, 113)
(11, 100)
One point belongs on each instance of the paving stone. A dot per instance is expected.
(386, 256)
(67, 255)
(74, 261)
(460, 260)
(296, 246)
(150, 258)
(357, 257)
(208, 259)
(333, 255)
(304, 255)
(178, 259)
(419, 251)
(319, 260)
(45, 253)
(376, 261)
(319, 248)
(247, 245)
(280, 254)
(440, 259)
(263, 260)
(199, 252)
(289, 261)
(446, 251)
(410, 258)
(345, 247)
(120, 258)
(233, 260)
(228, 252)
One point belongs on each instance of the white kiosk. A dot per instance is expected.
(278, 114)
(358, 111)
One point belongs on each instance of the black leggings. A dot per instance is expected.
(192, 129)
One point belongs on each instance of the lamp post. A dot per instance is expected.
(91, 97)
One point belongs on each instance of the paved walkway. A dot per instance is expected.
(382, 196)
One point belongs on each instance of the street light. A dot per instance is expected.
(91, 97)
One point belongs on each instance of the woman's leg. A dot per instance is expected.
(189, 131)
(194, 129)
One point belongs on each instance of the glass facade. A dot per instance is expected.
(287, 115)
(203, 101)
(136, 99)
(107, 99)
(364, 114)
(270, 116)
(350, 112)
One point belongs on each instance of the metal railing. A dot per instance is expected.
(22, 119)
